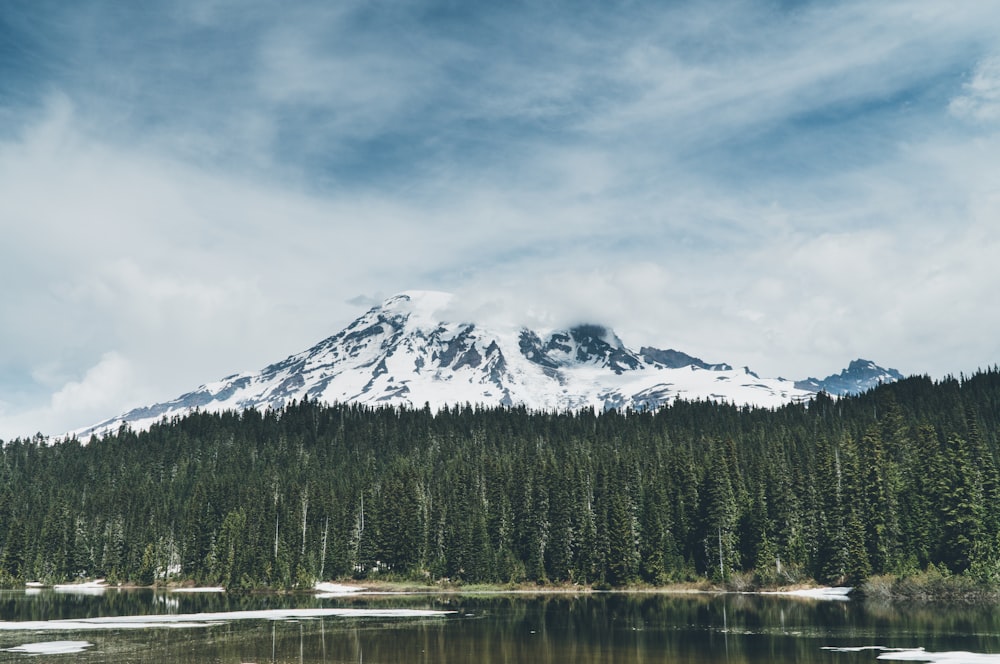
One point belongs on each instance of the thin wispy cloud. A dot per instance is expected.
(980, 98)
(195, 189)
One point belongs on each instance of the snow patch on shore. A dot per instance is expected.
(336, 588)
(207, 589)
(837, 594)
(96, 587)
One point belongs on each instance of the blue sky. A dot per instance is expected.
(192, 189)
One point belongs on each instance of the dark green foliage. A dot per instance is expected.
(891, 481)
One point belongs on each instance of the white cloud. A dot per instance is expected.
(103, 389)
(742, 69)
(981, 98)
(358, 91)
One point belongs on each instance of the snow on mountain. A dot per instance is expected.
(859, 376)
(402, 353)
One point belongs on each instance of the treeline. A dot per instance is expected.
(892, 481)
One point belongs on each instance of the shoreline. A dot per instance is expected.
(352, 588)
(922, 588)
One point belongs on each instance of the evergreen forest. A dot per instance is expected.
(896, 480)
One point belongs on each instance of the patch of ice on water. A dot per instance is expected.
(921, 655)
(207, 619)
(863, 648)
(51, 647)
(956, 657)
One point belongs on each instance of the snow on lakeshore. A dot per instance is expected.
(96, 587)
(96, 583)
(327, 589)
(207, 589)
(837, 593)
(51, 648)
(207, 619)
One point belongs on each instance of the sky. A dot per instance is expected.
(193, 189)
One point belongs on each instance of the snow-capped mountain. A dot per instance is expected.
(401, 353)
(859, 376)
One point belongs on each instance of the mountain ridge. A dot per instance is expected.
(859, 376)
(402, 353)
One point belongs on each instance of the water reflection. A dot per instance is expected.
(495, 629)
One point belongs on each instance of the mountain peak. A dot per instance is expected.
(860, 366)
(860, 376)
(420, 300)
(421, 307)
(410, 351)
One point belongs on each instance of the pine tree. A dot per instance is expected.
(719, 538)
(963, 510)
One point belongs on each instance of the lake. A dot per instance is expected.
(171, 628)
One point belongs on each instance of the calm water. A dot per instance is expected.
(485, 629)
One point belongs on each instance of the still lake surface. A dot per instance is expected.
(485, 628)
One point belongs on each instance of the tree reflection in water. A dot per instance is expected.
(494, 629)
